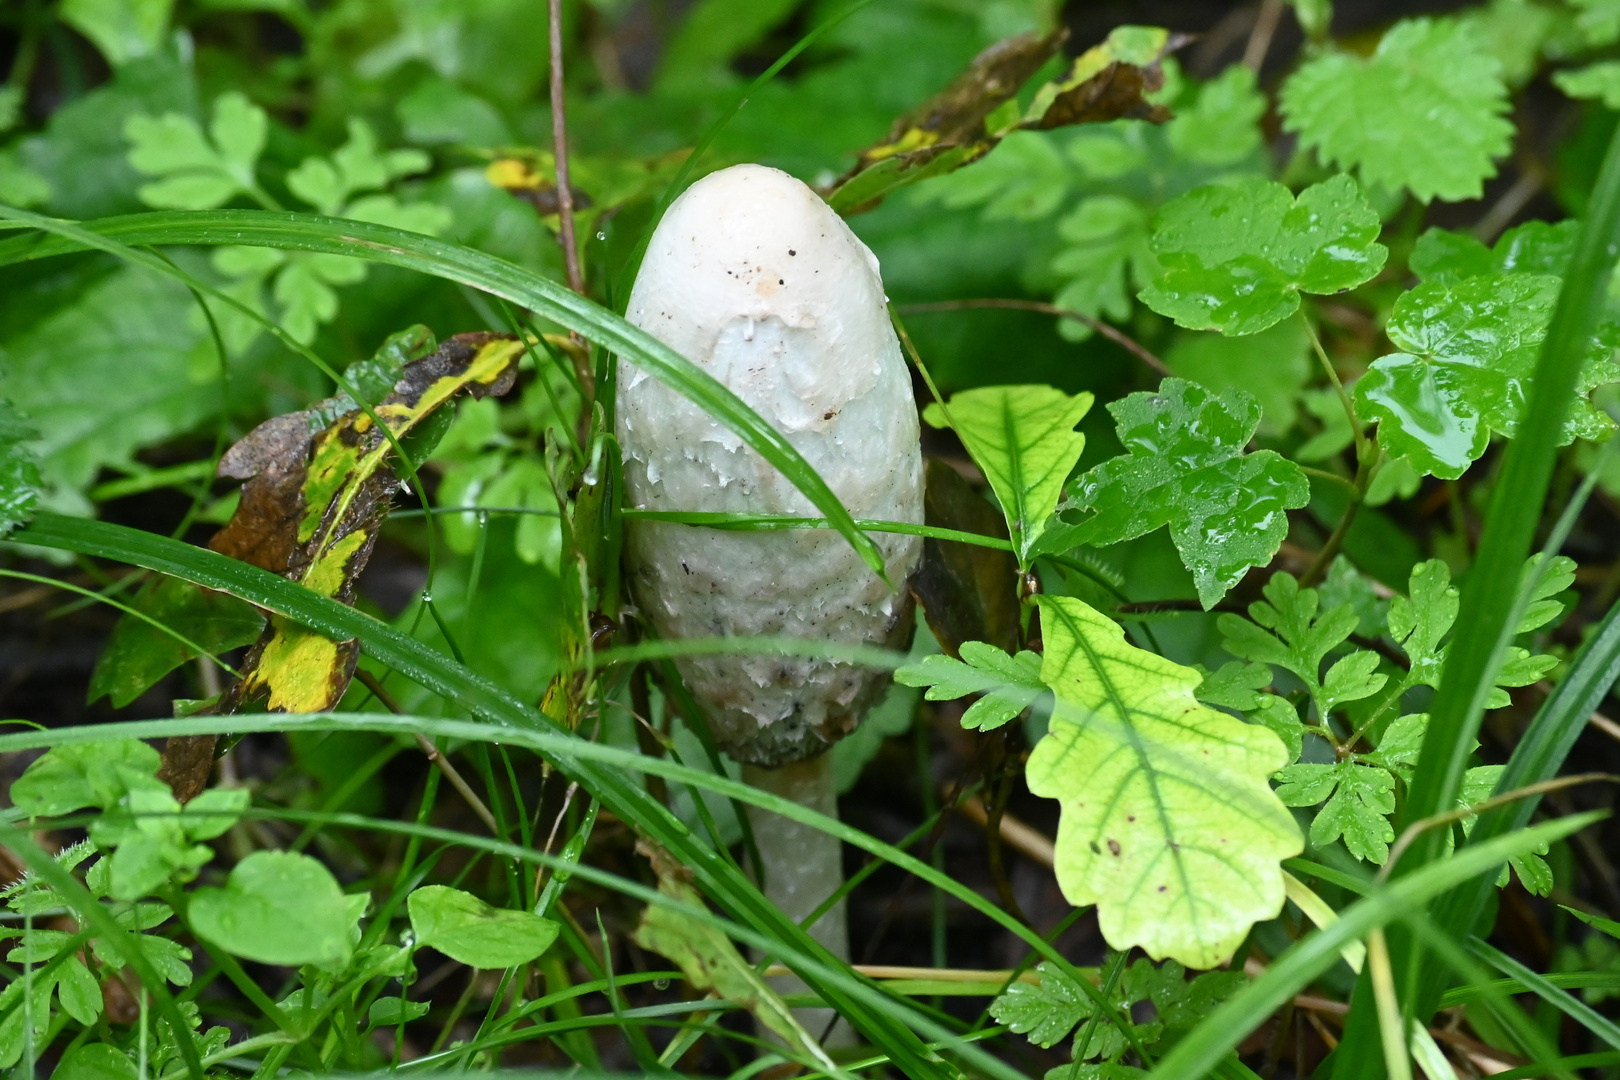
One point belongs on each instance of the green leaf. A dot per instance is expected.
(1358, 801)
(122, 29)
(1599, 82)
(1400, 745)
(1221, 125)
(1009, 683)
(1023, 438)
(471, 932)
(1608, 926)
(1045, 1011)
(1286, 630)
(198, 172)
(19, 473)
(1184, 467)
(1273, 366)
(1236, 256)
(391, 1011)
(20, 185)
(1544, 607)
(1352, 678)
(1479, 784)
(1425, 112)
(277, 907)
(78, 991)
(1468, 351)
(138, 655)
(1106, 239)
(71, 778)
(96, 1061)
(1167, 822)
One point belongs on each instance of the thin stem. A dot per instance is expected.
(1365, 472)
(440, 762)
(1333, 376)
(1265, 28)
(559, 144)
(1112, 333)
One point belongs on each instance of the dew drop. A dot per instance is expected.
(660, 984)
(601, 236)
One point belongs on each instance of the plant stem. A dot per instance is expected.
(1112, 333)
(1365, 471)
(1333, 376)
(803, 866)
(559, 143)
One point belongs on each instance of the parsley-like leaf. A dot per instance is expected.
(1286, 630)
(1424, 112)
(1358, 800)
(1009, 683)
(1236, 256)
(1185, 468)
(198, 172)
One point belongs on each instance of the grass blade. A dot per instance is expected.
(466, 266)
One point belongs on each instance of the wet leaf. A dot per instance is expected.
(967, 592)
(1467, 353)
(1424, 112)
(138, 655)
(1236, 256)
(963, 122)
(198, 171)
(277, 907)
(1009, 684)
(1168, 824)
(318, 485)
(472, 932)
(19, 474)
(708, 958)
(1185, 468)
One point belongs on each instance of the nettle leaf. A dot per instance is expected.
(1023, 438)
(277, 907)
(199, 172)
(1358, 801)
(1168, 824)
(1425, 112)
(19, 472)
(318, 484)
(471, 932)
(1185, 468)
(1468, 351)
(1009, 683)
(1236, 256)
(137, 654)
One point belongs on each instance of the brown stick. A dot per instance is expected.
(1265, 27)
(559, 143)
(442, 763)
(1112, 333)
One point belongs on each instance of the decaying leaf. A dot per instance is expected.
(967, 593)
(965, 121)
(319, 483)
(708, 958)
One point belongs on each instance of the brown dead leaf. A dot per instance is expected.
(968, 593)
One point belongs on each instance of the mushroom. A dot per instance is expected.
(752, 277)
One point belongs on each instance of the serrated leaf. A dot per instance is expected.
(1401, 744)
(1425, 112)
(1358, 801)
(1468, 351)
(1221, 125)
(19, 473)
(1185, 468)
(1023, 438)
(1479, 784)
(1352, 678)
(1235, 685)
(277, 907)
(1168, 824)
(1045, 1011)
(1419, 621)
(1599, 82)
(1535, 247)
(1273, 365)
(1236, 256)
(472, 932)
(1009, 683)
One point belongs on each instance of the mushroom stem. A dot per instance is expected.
(803, 866)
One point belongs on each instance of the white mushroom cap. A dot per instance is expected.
(752, 276)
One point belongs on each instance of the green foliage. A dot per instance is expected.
(138, 654)
(1181, 856)
(278, 907)
(1023, 438)
(471, 932)
(1185, 468)
(1236, 257)
(19, 474)
(198, 171)
(1009, 684)
(1600, 81)
(1425, 112)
